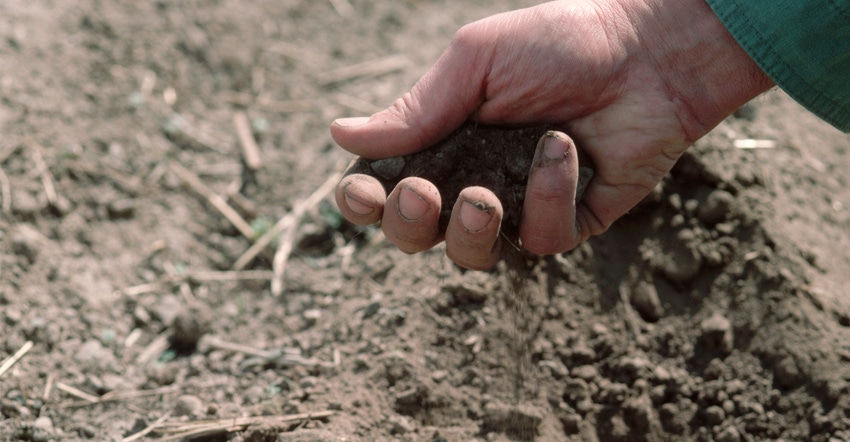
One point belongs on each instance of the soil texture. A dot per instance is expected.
(146, 148)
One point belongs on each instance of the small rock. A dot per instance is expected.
(400, 425)
(27, 242)
(121, 209)
(786, 373)
(714, 370)
(187, 329)
(520, 421)
(312, 316)
(388, 168)
(644, 298)
(637, 413)
(189, 405)
(439, 376)
(43, 428)
(734, 386)
(672, 419)
(571, 423)
(728, 434)
(25, 205)
(576, 390)
(716, 207)
(586, 372)
(714, 415)
(681, 265)
(717, 332)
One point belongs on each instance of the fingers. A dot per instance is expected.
(409, 216)
(472, 236)
(549, 213)
(361, 199)
(412, 214)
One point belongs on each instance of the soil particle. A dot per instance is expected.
(714, 415)
(786, 373)
(716, 207)
(518, 421)
(189, 405)
(27, 243)
(717, 332)
(187, 329)
(497, 158)
(644, 298)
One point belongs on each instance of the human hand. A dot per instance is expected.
(633, 82)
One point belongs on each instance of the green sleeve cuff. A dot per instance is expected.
(802, 45)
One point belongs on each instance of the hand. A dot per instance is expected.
(634, 82)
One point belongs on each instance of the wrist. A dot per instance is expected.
(706, 72)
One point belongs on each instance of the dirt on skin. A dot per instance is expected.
(716, 310)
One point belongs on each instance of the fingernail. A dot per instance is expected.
(356, 206)
(555, 147)
(351, 122)
(411, 206)
(475, 216)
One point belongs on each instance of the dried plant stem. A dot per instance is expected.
(250, 150)
(12, 360)
(44, 172)
(287, 238)
(288, 221)
(213, 198)
(150, 428)
(196, 429)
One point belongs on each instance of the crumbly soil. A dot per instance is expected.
(496, 158)
(716, 310)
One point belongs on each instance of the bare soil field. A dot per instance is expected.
(172, 266)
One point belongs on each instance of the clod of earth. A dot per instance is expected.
(497, 158)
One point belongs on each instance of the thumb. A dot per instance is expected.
(437, 104)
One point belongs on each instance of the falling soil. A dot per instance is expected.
(715, 311)
(500, 160)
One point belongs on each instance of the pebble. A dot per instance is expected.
(716, 207)
(672, 419)
(27, 242)
(516, 421)
(714, 415)
(439, 376)
(121, 209)
(25, 205)
(787, 374)
(728, 434)
(189, 405)
(644, 298)
(400, 425)
(637, 412)
(575, 390)
(586, 372)
(388, 168)
(717, 332)
(187, 329)
(571, 423)
(681, 265)
(42, 428)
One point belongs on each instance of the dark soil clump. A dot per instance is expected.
(496, 158)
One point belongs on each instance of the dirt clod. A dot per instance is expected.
(497, 158)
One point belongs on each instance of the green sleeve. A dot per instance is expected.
(802, 45)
